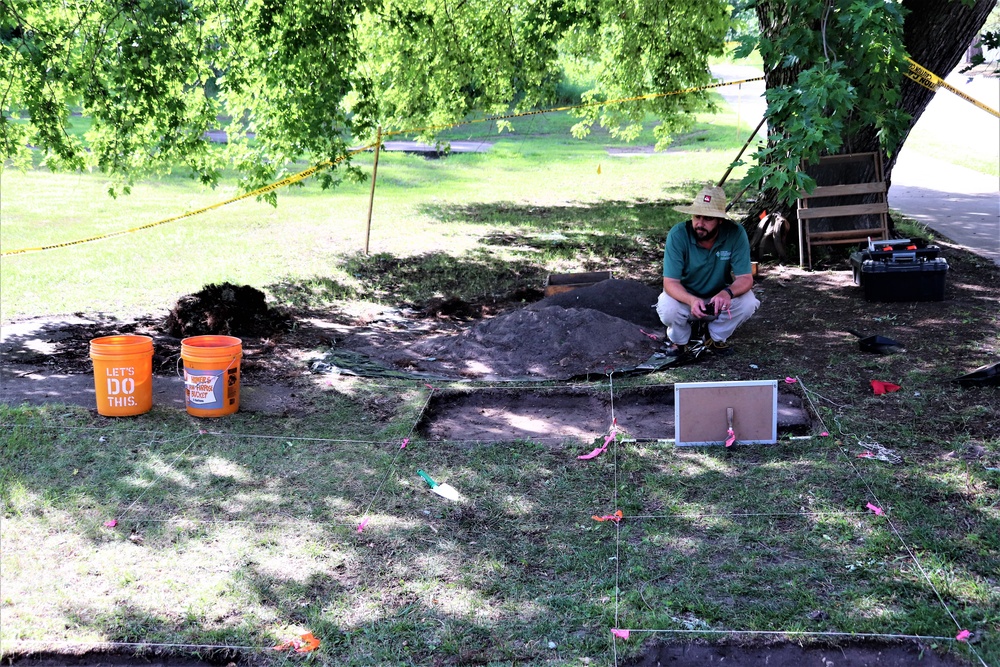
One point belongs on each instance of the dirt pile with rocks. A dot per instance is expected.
(610, 325)
(227, 310)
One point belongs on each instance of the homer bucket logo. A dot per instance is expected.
(203, 389)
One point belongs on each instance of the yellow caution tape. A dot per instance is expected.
(295, 178)
(965, 97)
(923, 76)
(302, 175)
(490, 119)
(932, 81)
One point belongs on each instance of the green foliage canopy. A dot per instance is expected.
(155, 75)
(289, 79)
(293, 79)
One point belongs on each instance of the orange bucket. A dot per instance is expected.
(123, 374)
(211, 375)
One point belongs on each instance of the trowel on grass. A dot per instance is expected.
(443, 490)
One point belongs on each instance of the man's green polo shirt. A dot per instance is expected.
(705, 272)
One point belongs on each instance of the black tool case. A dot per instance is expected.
(900, 270)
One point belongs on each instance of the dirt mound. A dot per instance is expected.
(611, 325)
(545, 342)
(225, 310)
(626, 299)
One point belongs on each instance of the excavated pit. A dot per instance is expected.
(554, 416)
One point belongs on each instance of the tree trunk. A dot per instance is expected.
(936, 33)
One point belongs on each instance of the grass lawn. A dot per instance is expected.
(223, 538)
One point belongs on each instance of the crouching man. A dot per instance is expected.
(706, 275)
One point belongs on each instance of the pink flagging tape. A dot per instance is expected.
(963, 636)
(594, 454)
(621, 634)
(875, 508)
(361, 526)
(731, 439)
(600, 450)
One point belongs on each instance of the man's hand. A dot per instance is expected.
(720, 302)
(701, 308)
(723, 300)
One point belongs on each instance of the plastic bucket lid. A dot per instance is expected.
(211, 348)
(122, 345)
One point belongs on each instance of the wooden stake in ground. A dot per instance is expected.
(371, 197)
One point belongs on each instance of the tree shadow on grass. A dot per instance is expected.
(477, 277)
(612, 216)
(493, 573)
(486, 276)
(188, 562)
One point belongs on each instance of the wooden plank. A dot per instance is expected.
(700, 412)
(842, 211)
(845, 233)
(557, 283)
(877, 233)
(844, 190)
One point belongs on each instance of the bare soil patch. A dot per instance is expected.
(693, 654)
(559, 415)
(793, 655)
(94, 659)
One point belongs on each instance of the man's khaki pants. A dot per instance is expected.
(677, 317)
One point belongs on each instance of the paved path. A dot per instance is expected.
(958, 203)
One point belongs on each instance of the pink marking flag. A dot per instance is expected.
(600, 450)
(594, 454)
(875, 508)
(963, 636)
(361, 526)
(616, 517)
(406, 441)
(621, 634)
(790, 380)
(111, 524)
(731, 439)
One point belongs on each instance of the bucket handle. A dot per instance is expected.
(180, 360)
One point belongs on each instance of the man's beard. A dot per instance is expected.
(704, 234)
